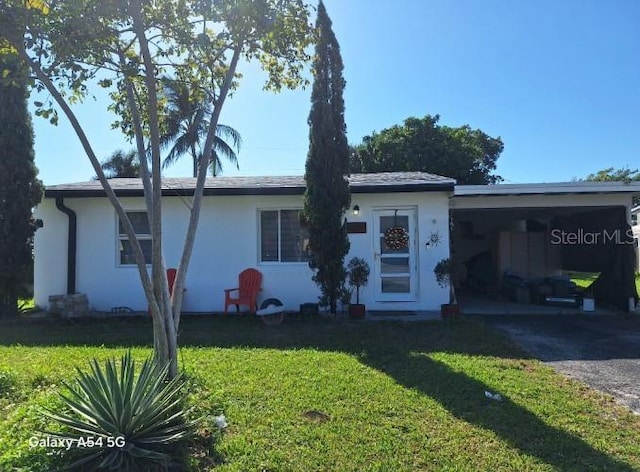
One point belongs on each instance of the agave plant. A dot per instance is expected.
(118, 421)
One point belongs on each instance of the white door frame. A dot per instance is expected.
(412, 255)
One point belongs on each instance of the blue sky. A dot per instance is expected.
(558, 81)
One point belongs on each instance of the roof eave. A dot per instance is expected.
(426, 187)
(560, 188)
(520, 194)
(445, 186)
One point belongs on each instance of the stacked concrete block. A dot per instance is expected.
(75, 305)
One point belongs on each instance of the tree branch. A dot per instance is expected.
(128, 227)
(139, 133)
(199, 190)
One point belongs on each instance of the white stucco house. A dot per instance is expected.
(253, 222)
(245, 222)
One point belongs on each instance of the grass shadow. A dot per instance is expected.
(464, 398)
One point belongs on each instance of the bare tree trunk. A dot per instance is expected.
(167, 347)
(159, 329)
(165, 310)
(161, 347)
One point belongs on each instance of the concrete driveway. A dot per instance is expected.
(602, 351)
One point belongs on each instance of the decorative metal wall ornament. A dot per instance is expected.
(396, 237)
(434, 239)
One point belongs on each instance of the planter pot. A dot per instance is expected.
(356, 311)
(309, 309)
(449, 310)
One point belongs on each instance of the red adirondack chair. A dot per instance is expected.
(171, 280)
(249, 282)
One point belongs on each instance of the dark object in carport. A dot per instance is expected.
(547, 291)
(612, 255)
(512, 284)
(481, 272)
(562, 287)
(540, 290)
(571, 301)
(523, 295)
(309, 309)
(557, 291)
(616, 283)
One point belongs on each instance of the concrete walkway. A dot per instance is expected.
(483, 305)
(403, 316)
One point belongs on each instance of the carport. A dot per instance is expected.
(517, 242)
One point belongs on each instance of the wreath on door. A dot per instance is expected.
(396, 237)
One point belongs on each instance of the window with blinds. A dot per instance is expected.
(282, 237)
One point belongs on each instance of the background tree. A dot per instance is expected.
(20, 190)
(611, 174)
(420, 144)
(186, 127)
(327, 194)
(131, 45)
(121, 165)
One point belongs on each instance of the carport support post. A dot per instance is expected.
(628, 207)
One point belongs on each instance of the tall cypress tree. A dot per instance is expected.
(20, 190)
(327, 194)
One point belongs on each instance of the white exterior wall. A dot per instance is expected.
(50, 248)
(433, 215)
(227, 243)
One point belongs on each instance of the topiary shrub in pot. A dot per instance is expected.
(358, 276)
(444, 276)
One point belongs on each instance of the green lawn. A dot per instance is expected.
(584, 279)
(26, 304)
(397, 397)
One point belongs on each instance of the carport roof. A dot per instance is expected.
(556, 188)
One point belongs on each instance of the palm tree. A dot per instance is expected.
(186, 126)
(121, 164)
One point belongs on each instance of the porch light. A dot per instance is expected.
(356, 210)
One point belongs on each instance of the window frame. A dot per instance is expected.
(120, 237)
(279, 210)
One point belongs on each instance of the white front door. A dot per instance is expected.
(395, 269)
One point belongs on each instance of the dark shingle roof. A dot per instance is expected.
(383, 182)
